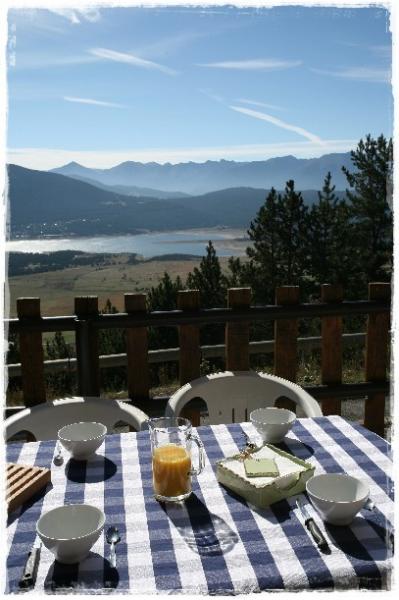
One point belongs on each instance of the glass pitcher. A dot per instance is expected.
(171, 440)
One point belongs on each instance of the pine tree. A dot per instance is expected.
(371, 213)
(331, 252)
(262, 270)
(164, 297)
(279, 255)
(209, 280)
(292, 217)
(111, 341)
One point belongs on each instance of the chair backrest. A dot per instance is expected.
(231, 396)
(44, 420)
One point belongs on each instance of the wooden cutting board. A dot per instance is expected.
(23, 482)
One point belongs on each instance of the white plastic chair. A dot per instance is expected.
(231, 396)
(44, 420)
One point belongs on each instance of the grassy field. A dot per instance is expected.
(57, 289)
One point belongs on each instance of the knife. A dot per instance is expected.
(29, 575)
(311, 525)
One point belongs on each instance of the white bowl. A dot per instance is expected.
(337, 497)
(82, 439)
(272, 423)
(69, 532)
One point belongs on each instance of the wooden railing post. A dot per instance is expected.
(285, 341)
(87, 346)
(237, 334)
(138, 372)
(31, 351)
(377, 358)
(331, 348)
(190, 350)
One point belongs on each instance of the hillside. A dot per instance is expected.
(42, 203)
(49, 204)
(200, 178)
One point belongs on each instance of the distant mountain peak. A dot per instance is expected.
(73, 163)
(198, 178)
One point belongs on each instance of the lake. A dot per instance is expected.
(228, 242)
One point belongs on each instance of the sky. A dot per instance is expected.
(104, 85)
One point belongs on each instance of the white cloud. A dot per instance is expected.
(260, 104)
(77, 15)
(265, 117)
(382, 50)
(358, 74)
(210, 94)
(130, 59)
(49, 158)
(257, 64)
(95, 102)
(44, 61)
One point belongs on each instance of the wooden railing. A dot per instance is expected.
(87, 321)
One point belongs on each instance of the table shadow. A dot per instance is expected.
(204, 532)
(296, 448)
(346, 540)
(83, 577)
(76, 470)
(16, 514)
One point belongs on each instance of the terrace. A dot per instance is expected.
(331, 309)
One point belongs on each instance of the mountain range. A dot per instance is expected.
(201, 178)
(133, 197)
(50, 204)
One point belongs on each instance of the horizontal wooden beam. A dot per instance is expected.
(173, 354)
(201, 317)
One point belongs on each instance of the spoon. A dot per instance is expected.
(113, 538)
(58, 458)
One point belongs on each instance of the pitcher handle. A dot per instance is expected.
(201, 454)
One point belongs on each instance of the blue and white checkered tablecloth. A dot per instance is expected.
(215, 543)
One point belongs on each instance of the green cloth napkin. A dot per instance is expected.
(260, 467)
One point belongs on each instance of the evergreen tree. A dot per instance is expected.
(279, 255)
(164, 297)
(370, 209)
(331, 254)
(57, 347)
(292, 217)
(111, 341)
(60, 384)
(209, 280)
(263, 231)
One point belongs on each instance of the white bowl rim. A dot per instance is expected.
(338, 501)
(71, 539)
(90, 439)
(291, 415)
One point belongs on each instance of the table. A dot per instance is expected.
(215, 543)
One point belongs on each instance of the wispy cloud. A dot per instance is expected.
(78, 15)
(265, 117)
(374, 75)
(49, 158)
(260, 104)
(95, 102)
(382, 50)
(170, 44)
(130, 59)
(44, 61)
(256, 64)
(210, 94)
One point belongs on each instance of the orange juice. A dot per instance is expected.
(171, 467)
